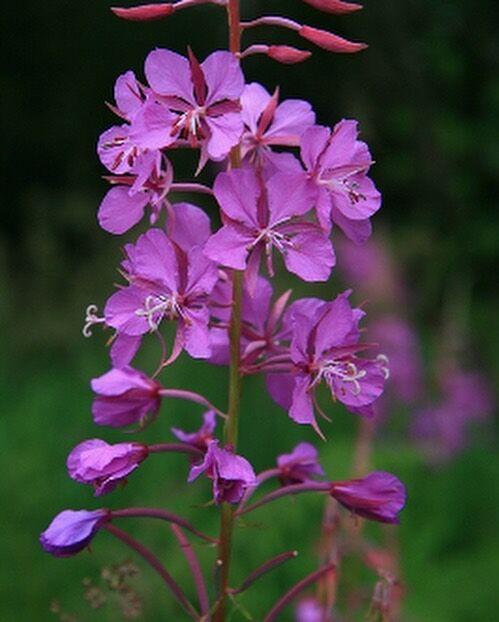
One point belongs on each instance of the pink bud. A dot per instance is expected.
(330, 42)
(334, 6)
(144, 12)
(287, 54)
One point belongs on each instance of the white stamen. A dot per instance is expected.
(91, 318)
(382, 359)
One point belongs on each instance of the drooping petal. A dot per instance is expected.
(229, 247)
(124, 348)
(367, 388)
(224, 77)
(121, 311)
(311, 257)
(358, 200)
(302, 408)
(119, 212)
(359, 231)
(380, 496)
(280, 388)
(197, 335)
(169, 74)
(71, 531)
(226, 131)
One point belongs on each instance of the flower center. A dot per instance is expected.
(155, 307)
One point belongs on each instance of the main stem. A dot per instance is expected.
(232, 422)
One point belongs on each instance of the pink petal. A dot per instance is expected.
(168, 73)
(120, 311)
(291, 118)
(311, 258)
(224, 77)
(119, 212)
(226, 131)
(253, 102)
(237, 193)
(358, 231)
(127, 94)
(229, 247)
(313, 143)
(289, 194)
(188, 226)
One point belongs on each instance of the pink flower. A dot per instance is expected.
(167, 282)
(203, 96)
(102, 465)
(124, 396)
(323, 348)
(202, 437)
(337, 165)
(231, 474)
(257, 222)
(270, 124)
(71, 531)
(301, 465)
(379, 496)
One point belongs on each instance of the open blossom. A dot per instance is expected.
(301, 465)
(165, 283)
(257, 222)
(231, 474)
(71, 531)
(102, 465)
(268, 124)
(379, 496)
(324, 347)
(204, 97)
(124, 396)
(148, 183)
(337, 165)
(202, 437)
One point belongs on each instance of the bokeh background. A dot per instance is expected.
(426, 93)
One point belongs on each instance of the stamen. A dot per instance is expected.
(91, 318)
(384, 362)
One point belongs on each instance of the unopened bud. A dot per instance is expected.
(287, 54)
(334, 6)
(144, 12)
(329, 41)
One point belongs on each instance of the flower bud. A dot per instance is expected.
(71, 531)
(144, 12)
(330, 42)
(334, 6)
(287, 55)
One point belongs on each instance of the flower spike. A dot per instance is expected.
(334, 6)
(144, 12)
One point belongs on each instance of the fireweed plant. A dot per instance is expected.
(286, 183)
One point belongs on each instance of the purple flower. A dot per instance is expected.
(309, 609)
(301, 465)
(256, 222)
(379, 496)
(202, 437)
(166, 283)
(102, 465)
(231, 474)
(323, 348)
(204, 97)
(71, 531)
(148, 183)
(337, 165)
(124, 396)
(269, 123)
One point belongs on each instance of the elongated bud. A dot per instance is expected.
(334, 6)
(329, 41)
(144, 12)
(287, 54)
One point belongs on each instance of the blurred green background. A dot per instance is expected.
(426, 93)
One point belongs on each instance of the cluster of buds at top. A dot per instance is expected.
(286, 54)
